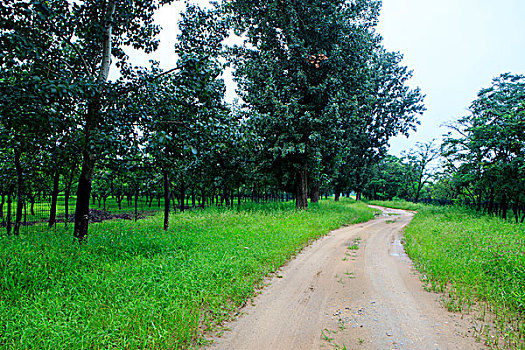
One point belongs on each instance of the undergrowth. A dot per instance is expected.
(133, 285)
(398, 204)
(478, 262)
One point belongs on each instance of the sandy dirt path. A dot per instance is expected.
(333, 297)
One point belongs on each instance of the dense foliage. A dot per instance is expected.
(486, 153)
(320, 97)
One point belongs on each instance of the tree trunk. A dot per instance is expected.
(358, 195)
(166, 201)
(67, 193)
(54, 199)
(182, 196)
(136, 205)
(301, 189)
(32, 200)
(203, 198)
(504, 207)
(491, 201)
(92, 121)
(19, 195)
(314, 196)
(86, 174)
(9, 206)
(2, 207)
(174, 201)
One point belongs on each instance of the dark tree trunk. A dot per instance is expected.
(182, 196)
(301, 189)
(491, 201)
(32, 200)
(193, 199)
(504, 207)
(54, 199)
(136, 205)
(166, 201)
(203, 198)
(9, 206)
(358, 195)
(2, 207)
(314, 196)
(515, 207)
(19, 195)
(86, 174)
(239, 197)
(225, 198)
(67, 193)
(174, 201)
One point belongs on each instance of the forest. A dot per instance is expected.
(319, 100)
(86, 136)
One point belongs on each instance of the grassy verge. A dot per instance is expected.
(398, 204)
(478, 262)
(134, 286)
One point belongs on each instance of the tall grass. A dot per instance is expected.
(478, 262)
(398, 204)
(134, 286)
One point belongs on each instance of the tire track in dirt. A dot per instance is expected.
(331, 297)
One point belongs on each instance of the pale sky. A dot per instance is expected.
(454, 47)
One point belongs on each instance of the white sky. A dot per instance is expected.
(455, 48)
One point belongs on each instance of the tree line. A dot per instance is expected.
(320, 99)
(481, 159)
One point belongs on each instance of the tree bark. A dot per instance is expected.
(166, 201)
(67, 193)
(54, 199)
(182, 195)
(86, 174)
(92, 121)
(9, 206)
(301, 189)
(358, 195)
(2, 207)
(314, 196)
(19, 194)
(504, 206)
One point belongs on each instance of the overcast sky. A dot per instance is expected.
(454, 47)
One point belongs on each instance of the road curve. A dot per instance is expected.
(333, 297)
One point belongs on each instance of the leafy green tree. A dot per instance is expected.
(288, 73)
(418, 168)
(486, 153)
(378, 105)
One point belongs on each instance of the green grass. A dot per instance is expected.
(134, 286)
(478, 262)
(398, 204)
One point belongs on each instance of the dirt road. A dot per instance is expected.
(364, 297)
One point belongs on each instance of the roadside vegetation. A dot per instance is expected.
(478, 263)
(398, 204)
(132, 285)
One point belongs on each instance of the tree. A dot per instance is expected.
(487, 152)
(418, 168)
(377, 106)
(288, 73)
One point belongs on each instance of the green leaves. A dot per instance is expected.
(486, 151)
